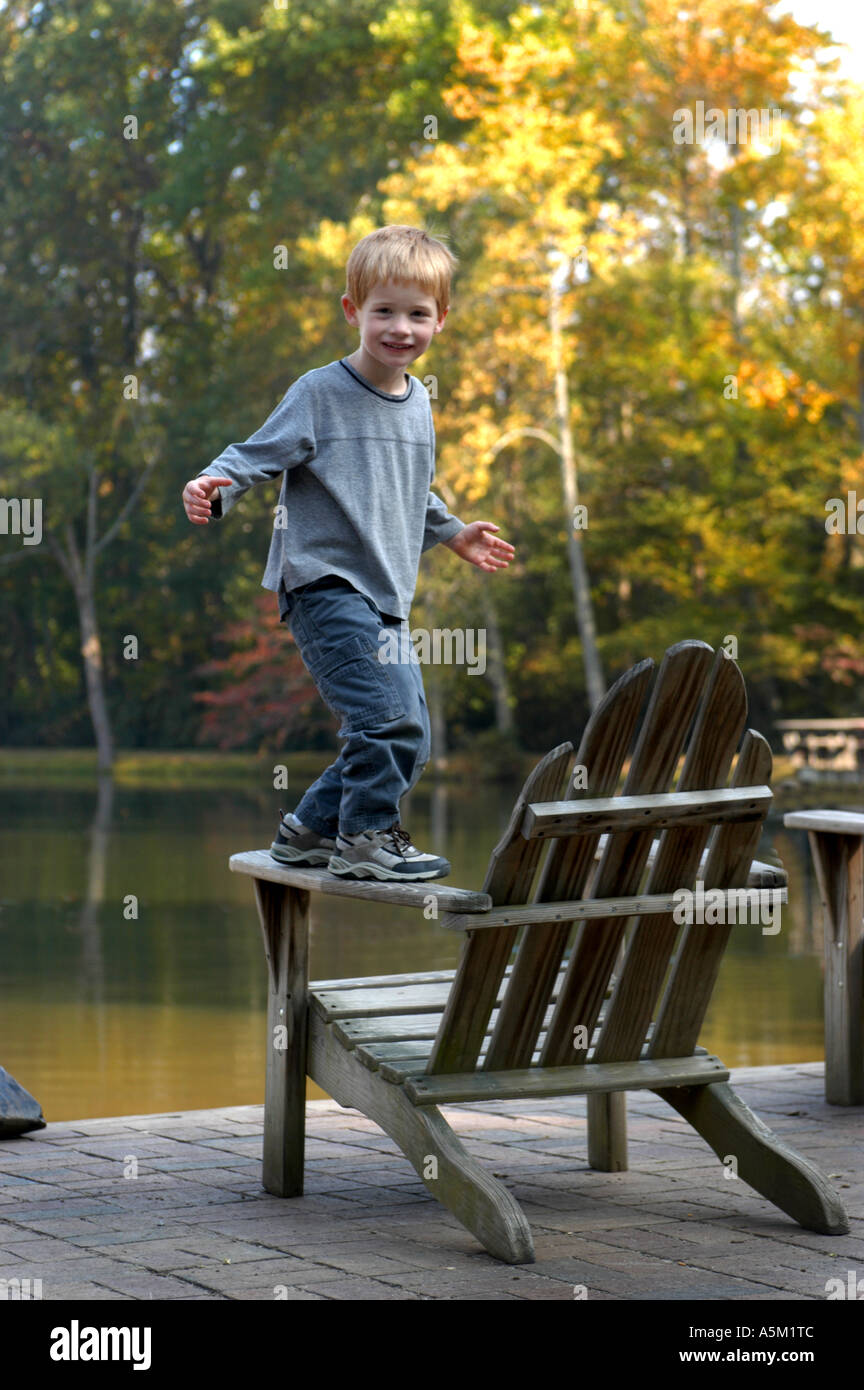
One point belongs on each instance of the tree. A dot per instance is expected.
(155, 185)
(267, 692)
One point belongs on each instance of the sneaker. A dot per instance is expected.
(296, 844)
(387, 854)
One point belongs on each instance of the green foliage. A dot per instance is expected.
(714, 352)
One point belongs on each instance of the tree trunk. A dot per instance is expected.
(496, 671)
(82, 577)
(578, 568)
(91, 652)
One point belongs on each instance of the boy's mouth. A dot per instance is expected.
(397, 347)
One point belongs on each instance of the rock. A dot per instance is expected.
(19, 1112)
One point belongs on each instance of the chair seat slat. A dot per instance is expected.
(591, 1078)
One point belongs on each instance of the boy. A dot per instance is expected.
(355, 444)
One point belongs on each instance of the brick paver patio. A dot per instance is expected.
(171, 1207)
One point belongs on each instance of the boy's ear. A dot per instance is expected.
(440, 324)
(349, 308)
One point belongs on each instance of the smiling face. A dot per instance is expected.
(397, 323)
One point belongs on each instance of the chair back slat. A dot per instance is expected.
(601, 754)
(698, 704)
(485, 954)
(718, 729)
(677, 691)
(694, 973)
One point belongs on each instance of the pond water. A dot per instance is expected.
(109, 1013)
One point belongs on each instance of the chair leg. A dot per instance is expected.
(480, 1202)
(284, 916)
(787, 1179)
(607, 1131)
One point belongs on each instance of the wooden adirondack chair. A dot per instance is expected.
(543, 1024)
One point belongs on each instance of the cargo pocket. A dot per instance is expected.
(356, 685)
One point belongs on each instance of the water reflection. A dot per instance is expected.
(105, 1013)
(92, 972)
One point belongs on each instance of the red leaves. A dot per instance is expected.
(266, 694)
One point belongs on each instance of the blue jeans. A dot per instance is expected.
(385, 722)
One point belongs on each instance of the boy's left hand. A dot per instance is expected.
(476, 544)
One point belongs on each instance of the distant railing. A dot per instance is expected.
(825, 745)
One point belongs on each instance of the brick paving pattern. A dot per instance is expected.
(171, 1207)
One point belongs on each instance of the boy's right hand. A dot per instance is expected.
(196, 497)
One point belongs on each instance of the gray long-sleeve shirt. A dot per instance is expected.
(357, 466)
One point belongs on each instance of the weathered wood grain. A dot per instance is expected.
(643, 905)
(258, 864)
(425, 977)
(528, 1082)
(674, 700)
(787, 1179)
(332, 1004)
(482, 1203)
(835, 822)
(839, 863)
(717, 730)
(283, 913)
(566, 872)
(509, 877)
(607, 1131)
(694, 972)
(682, 808)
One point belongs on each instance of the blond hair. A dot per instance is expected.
(407, 255)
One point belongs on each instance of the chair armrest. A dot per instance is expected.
(259, 864)
(577, 910)
(547, 819)
(831, 822)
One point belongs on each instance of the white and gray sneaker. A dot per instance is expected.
(299, 846)
(386, 854)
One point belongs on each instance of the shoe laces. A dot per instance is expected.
(400, 837)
